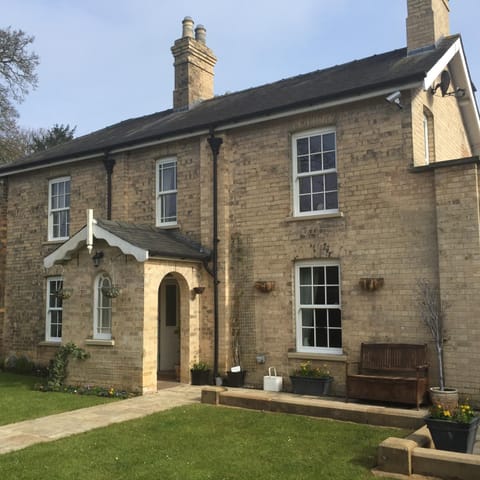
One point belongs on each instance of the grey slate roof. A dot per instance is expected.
(159, 242)
(391, 69)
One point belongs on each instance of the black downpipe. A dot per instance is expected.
(109, 163)
(215, 143)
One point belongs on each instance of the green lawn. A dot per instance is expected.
(18, 400)
(203, 442)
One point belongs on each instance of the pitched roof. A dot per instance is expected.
(157, 241)
(392, 69)
(141, 241)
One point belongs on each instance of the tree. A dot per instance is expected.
(433, 312)
(54, 136)
(17, 76)
(15, 143)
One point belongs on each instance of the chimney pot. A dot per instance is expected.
(194, 63)
(201, 34)
(187, 25)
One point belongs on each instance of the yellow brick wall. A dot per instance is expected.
(388, 229)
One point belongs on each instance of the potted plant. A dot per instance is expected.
(64, 293)
(308, 380)
(200, 374)
(453, 430)
(236, 376)
(433, 315)
(113, 291)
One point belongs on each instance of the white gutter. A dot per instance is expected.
(53, 164)
(267, 117)
(220, 128)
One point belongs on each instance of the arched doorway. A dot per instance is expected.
(168, 328)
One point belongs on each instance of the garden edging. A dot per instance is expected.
(401, 456)
(415, 455)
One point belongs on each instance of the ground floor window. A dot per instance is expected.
(318, 307)
(102, 328)
(54, 309)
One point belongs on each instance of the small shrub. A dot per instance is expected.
(20, 364)
(57, 371)
(24, 365)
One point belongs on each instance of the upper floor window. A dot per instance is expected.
(315, 172)
(59, 209)
(53, 328)
(167, 191)
(318, 307)
(102, 316)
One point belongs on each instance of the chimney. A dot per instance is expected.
(194, 63)
(427, 23)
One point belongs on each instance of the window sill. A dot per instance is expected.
(99, 343)
(50, 343)
(314, 217)
(175, 226)
(330, 357)
(55, 242)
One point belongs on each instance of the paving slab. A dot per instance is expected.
(16, 436)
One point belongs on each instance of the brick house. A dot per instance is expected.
(257, 221)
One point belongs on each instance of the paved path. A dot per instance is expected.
(16, 436)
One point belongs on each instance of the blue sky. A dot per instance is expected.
(104, 61)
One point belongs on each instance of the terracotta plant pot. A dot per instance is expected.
(447, 398)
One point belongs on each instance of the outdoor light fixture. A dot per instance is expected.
(97, 258)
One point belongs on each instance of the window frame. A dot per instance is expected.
(101, 305)
(297, 176)
(161, 219)
(299, 307)
(58, 307)
(52, 211)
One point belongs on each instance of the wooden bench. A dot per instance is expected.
(390, 372)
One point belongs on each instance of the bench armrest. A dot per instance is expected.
(422, 367)
(422, 371)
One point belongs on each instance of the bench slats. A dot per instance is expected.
(391, 372)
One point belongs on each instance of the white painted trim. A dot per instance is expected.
(297, 175)
(97, 297)
(437, 69)
(455, 59)
(298, 321)
(48, 318)
(318, 106)
(65, 251)
(140, 254)
(227, 126)
(51, 182)
(158, 193)
(53, 163)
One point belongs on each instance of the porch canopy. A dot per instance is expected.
(140, 241)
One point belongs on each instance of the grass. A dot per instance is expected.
(19, 401)
(203, 442)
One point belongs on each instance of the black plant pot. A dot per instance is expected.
(200, 377)
(311, 385)
(453, 436)
(236, 379)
